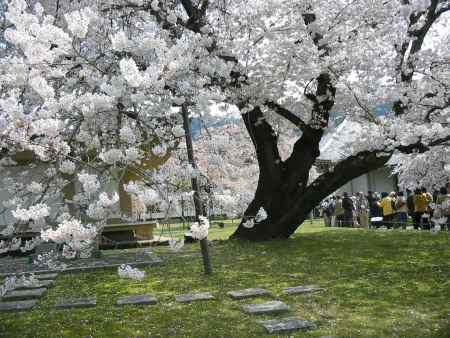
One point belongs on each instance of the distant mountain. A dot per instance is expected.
(336, 119)
(382, 109)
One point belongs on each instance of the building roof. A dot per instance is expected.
(334, 145)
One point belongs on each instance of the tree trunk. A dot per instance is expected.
(283, 189)
(288, 209)
(199, 209)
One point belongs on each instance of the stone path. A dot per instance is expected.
(65, 303)
(194, 297)
(26, 298)
(274, 306)
(247, 293)
(282, 325)
(135, 300)
(285, 325)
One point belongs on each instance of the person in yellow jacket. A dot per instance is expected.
(386, 204)
(420, 208)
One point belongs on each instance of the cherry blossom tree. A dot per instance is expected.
(301, 62)
(92, 91)
(95, 86)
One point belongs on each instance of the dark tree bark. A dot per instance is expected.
(199, 209)
(282, 185)
(283, 191)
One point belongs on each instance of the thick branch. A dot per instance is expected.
(431, 17)
(287, 114)
(443, 9)
(323, 99)
(265, 141)
(196, 15)
(420, 147)
(190, 9)
(310, 18)
(415, 37)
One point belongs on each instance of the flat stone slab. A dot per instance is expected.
(194, 297)
(24, 294)
(302, 289)
(285, 325)
(247, 293)
(274, 306)
(41, 284)
(135, 300)
(64, 303)
(46, 276)
(21, 305)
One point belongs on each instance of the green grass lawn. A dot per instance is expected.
(177, 230)
(378, 284)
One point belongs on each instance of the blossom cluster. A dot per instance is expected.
(199, 230)
(126, 271)
(35, 212)
(72, 233)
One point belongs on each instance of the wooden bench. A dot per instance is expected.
(116, 235)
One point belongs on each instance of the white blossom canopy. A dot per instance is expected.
(94, 88)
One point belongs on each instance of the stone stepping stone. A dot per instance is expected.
(64, 303)
(46, 276)
(274, 306)
(247, 293)
(24, 294)
(302, 289)
(135, 300)
(285, 325)
(194, 297)
(21, 305)
(42, 284)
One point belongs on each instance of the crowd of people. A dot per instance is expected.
(419, 208)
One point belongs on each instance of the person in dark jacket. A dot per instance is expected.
(375, 210)
(410, 202)
(347, 204)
